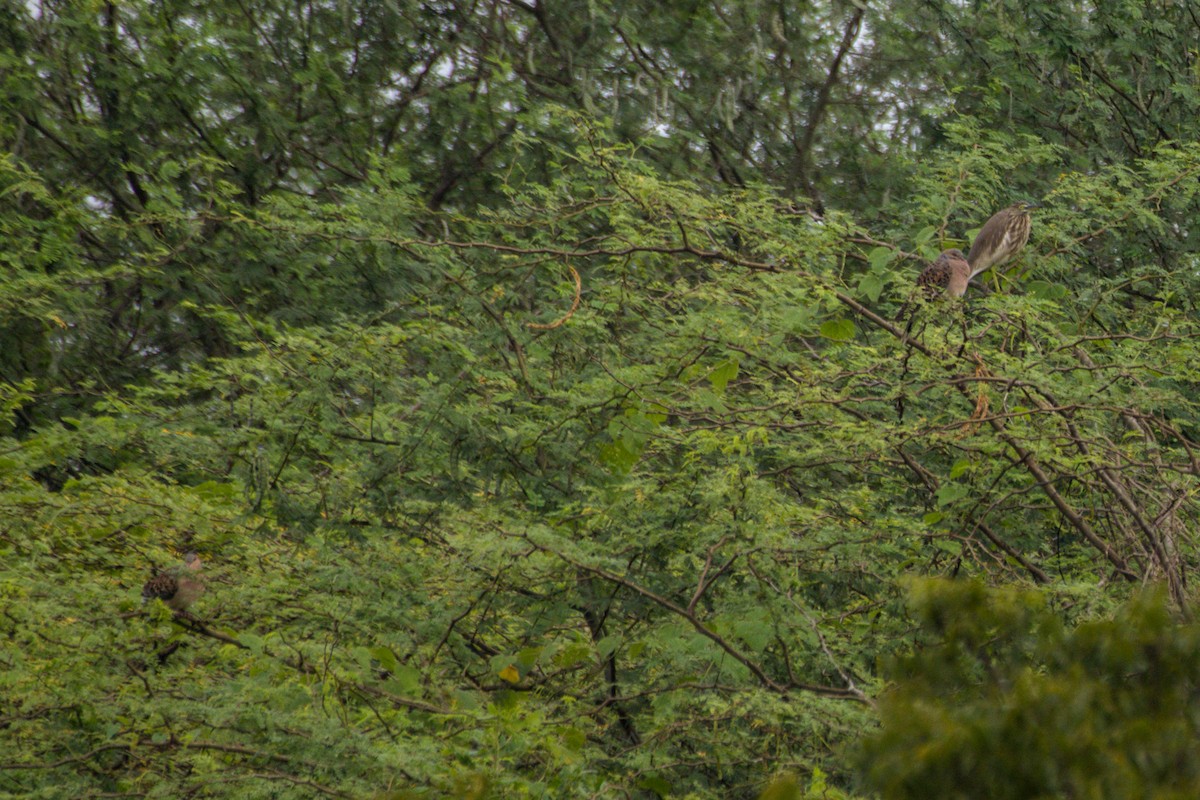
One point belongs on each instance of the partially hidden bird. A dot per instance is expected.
(1001, 237)
(947, 275)
(178, 586)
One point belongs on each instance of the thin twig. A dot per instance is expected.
(574, 305)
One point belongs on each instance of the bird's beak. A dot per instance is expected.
(1033, 205)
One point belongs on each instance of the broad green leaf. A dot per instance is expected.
(948, 493)
(880, 257)
(871, 286)
(723, 374)
(253, 642)
(839, 330)
(924, 235)
(1044, 290)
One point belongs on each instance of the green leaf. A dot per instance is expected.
(871, 286)
(952, 546)
(785, 787)
(838, 330)
(607, 645)
(947, 493)
(1044, 290)
(574, 739)
(879, 258)
(572, 655)
(253, 642)
(723, 374)
(655, 783)
(212, 490)
(405, 680)
(385, 657)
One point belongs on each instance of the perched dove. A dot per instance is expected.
(178, 586)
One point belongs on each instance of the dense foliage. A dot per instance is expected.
(527, 377)
(1005, 703)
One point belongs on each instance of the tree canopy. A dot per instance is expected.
(528, 378)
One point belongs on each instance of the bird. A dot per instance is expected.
(947, 275)
(1001, 237)
(177, 586)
